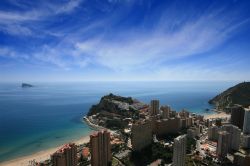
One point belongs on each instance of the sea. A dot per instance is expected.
(50, 114)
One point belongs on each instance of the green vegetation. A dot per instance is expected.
(239, 94)
(191, 143)
(152, 153)
(115, 124)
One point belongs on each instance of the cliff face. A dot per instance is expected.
(114, 112)
(239, 94)
(114, 104)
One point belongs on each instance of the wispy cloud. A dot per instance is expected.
(20, 22)
(105, 38)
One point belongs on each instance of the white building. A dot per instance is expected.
(246, 126)
(179, 155)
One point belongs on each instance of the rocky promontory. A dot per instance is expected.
(113, 110)
(238, 94)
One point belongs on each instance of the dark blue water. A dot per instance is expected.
(49, 114)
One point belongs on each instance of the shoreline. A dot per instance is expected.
(217, 114)
(39, 156)
(45, 154)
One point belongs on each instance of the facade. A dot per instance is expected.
(193, 132)
(235, 133)
(237, 115)
(213, 133)
(223, 144)
(141, 135)
(100, 148)
(165, 112)
(246, 141)
(165, 126)
(179, 155)
(66, 156)
(246, 127)
(154, 107)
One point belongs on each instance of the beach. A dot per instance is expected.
(39, 156)
(217, 115)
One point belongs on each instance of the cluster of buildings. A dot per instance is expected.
(233, 137)
(228, 138)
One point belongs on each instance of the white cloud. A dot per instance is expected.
(150, 50)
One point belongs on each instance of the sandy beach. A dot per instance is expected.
(217, 115)
(38, 156)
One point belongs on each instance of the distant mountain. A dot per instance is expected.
(238, 94)
(25, 85)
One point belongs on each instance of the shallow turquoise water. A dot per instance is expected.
(49, 114)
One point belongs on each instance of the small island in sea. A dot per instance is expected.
(25, 85)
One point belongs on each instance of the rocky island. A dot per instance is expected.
(25, 85)
(238, 94)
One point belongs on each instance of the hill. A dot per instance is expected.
(238, 94)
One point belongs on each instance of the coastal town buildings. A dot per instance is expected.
(213, 133)
(166, 126)
(100, 148)
(165, 112)
(246, 127)
(223, 144)
(235, 133)
(193, 132)
(154, 107)
(141, 135)
(65, 156)
(179, 154)
(237, 115)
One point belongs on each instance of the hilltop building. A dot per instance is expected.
(100, 148)
(179, 155)
(65, 156)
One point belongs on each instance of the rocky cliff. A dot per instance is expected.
(238, 94)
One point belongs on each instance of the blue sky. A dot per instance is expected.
(93, 40)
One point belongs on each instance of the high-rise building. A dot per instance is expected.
(65, 156)
(213, 133)
(237, 115)
(165, 112)
(235, 133)
(223, 144)
(246, 127)
(154, 107)
(246, 141)
(100, 148)
(179, 150)
(141, 135)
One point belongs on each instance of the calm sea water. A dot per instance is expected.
(50, 114)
